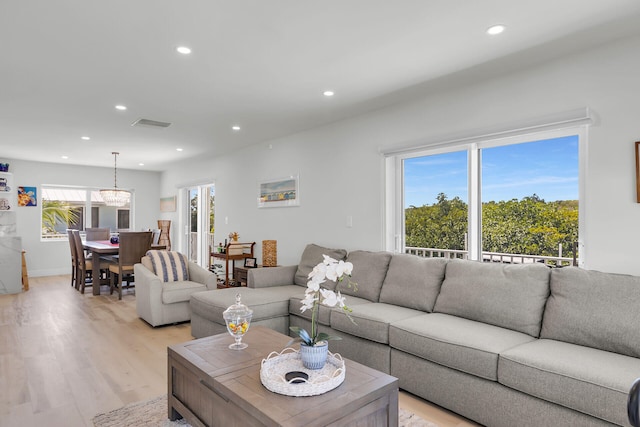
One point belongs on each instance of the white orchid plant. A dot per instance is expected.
(335, 271)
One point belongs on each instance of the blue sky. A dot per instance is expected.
(547, 168)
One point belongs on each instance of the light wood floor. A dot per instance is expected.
(65, 357)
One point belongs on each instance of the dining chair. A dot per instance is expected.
(132, 247)
(98, 233)
(156, 236)
(74, 264)
(85, 265)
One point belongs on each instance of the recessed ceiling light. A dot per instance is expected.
(140, 164)
(121, 107)
(65, 157)
(178, 149)
(235, 127)
(496, 29)
(328, 93)
(183, 50)
(86, 138)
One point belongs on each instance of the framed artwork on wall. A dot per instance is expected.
(27, 196)
(168, 204)
(281, 192)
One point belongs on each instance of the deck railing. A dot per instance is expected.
(552, 261)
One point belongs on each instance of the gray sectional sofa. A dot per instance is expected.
(503, 345)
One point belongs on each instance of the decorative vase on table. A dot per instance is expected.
(314, 346)
(238, 317)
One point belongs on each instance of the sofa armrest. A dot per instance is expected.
(267, 277)
(148, 294)
(201, 275)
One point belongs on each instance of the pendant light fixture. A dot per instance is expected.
(115, 197)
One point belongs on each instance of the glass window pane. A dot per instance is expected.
(530, 199)
(62, 208)
(435, 202)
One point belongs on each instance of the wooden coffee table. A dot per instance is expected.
(211, 385)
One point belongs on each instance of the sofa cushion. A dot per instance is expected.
(573, 376)
(371, 320)
(413, 281)
(265, 303)
(324, 312)
(509, 296)
(599, 310)
(461, 344)
(311, 256)
(369, 271)
(180, 291)
(169, 266)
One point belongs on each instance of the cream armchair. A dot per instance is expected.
(161, 303)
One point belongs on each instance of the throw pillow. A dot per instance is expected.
(369, 271)
(311, 256)
(509, 296)
(169, 266)
(594, 309)
(413, 281)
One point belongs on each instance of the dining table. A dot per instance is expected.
(100, 248)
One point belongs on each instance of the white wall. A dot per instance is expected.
(49, 258)
(341, 169)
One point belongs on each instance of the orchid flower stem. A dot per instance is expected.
(313, 322)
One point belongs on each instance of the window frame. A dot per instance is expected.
(394, 234)
(87, 217)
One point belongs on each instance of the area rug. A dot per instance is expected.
(153, 413)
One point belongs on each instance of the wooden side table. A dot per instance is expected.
(231, 255)
(241, 273)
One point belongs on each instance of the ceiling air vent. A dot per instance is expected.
(151, 123)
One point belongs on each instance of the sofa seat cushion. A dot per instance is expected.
(588, 380)
(581, 306)
(312, 255)
(324, 312)
(454, 342)
(509, 296)
(266, 303)
(173, 292)
(372, 320)
(413, 281)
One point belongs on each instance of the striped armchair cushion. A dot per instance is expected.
(169, 266)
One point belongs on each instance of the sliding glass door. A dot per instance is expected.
(199, 223)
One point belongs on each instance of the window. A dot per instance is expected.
(78, 208)
(514, 199)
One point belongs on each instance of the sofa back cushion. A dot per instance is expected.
(594, 309)
(509, 296)
(169, 266)
(413, 281)
(311, 256)
(369, 272)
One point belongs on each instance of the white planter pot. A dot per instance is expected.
(314, 357)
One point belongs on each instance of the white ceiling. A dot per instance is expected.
(260, 64)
